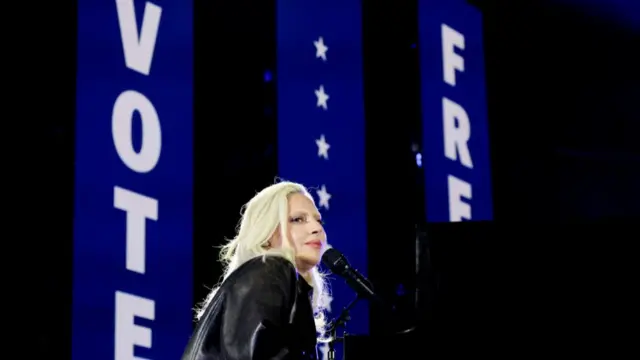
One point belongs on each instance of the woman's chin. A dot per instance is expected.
(307, 259)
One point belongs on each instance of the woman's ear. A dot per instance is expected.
(275, 241)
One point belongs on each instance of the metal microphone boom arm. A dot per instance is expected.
(341, 320)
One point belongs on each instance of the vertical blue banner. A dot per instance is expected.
(321, 126)
(454, 111)
(132, 268)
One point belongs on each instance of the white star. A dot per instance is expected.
(324, 197)
(321, 49)
(323, 147)
(324, 349)
(322, 97)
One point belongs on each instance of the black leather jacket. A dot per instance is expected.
(261, 311)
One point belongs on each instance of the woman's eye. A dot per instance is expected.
(297, 219)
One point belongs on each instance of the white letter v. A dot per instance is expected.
(138, 48)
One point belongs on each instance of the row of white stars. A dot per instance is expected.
(321, 53)
(323, 147)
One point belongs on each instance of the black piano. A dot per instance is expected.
(515, 290)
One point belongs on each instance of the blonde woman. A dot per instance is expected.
(271, 302)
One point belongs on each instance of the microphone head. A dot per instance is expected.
(335, 261)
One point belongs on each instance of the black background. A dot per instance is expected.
(561, 91)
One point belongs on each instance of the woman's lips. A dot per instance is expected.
(314, 243)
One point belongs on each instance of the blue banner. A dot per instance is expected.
(454, 111)
(132, 271)
(321, 125)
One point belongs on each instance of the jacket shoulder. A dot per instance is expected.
(264, 267)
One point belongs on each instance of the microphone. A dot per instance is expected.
(338, 264)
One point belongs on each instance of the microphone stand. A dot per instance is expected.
(333, 327)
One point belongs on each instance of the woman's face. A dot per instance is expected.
(305, 232)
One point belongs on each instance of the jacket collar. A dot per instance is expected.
(303, 286)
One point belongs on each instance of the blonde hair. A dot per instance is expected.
(260, 219)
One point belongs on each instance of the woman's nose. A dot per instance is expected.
(316, 227)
